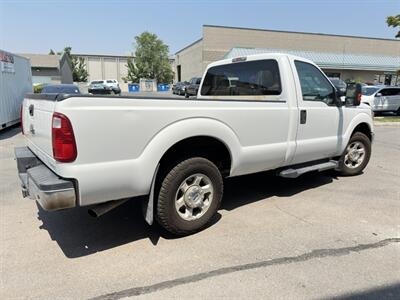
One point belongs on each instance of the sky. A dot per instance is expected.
(109, 27)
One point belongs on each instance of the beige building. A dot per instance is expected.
(372, 60)
(102, 67)
(49, 69)
(106, 67)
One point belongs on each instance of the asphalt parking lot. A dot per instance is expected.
(318, 236)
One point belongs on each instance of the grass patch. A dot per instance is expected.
(387, 119)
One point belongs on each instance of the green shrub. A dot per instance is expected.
(37, 88)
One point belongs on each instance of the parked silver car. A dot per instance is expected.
(382, 98)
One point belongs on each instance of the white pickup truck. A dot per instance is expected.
(252, 114)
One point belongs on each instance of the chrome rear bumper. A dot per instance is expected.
(38, 182)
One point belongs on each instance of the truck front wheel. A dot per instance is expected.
(189, 196)
(356, 155)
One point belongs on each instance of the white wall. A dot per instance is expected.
(107, 67)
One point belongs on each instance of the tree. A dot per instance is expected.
(51, 52)
(79, 72)
(151, 60)
(67, 51)
(132, 72)
(394, 21)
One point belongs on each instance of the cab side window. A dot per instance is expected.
(314, 85)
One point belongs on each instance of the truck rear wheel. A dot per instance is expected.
(189, 196)
(356, 155)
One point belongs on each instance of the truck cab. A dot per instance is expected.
(309, 118)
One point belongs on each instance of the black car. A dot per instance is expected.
(71, 89)
(340, 85)
(192, 87)
(179, 88)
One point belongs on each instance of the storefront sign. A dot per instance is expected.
(6, 62)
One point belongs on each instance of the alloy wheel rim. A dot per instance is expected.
(194, 197)
(355, 155)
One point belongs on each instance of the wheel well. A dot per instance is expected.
(363, 128)
(203, 146)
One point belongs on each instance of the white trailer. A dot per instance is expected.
(15, 82)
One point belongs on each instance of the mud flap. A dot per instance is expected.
(149, 204)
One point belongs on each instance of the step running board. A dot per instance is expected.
(294, 172)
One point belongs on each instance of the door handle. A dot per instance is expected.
(303, 116)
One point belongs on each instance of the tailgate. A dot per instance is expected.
(37, 117)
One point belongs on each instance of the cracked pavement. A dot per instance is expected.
(315, 237)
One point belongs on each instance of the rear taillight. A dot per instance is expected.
(21, 114)
(64, 145)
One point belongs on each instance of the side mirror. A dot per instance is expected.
(341, 91)
(353, 94)
(339, 98)
(378, 95)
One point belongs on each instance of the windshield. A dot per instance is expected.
(369, 90)
(97, 82)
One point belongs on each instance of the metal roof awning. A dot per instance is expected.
(331, 60)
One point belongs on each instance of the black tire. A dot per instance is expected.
(186, 95)
(344, 169)
(167, 214)
(398, 111)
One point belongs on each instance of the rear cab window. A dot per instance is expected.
(243, 78)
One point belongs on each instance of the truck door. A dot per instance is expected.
(320, 118)
(377, 104)
(390, 99)
(383, 100)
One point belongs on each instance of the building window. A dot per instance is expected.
(179, 72)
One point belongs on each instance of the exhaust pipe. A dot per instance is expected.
(101, 209)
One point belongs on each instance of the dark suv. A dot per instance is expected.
(192, 87)
(71, 89)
